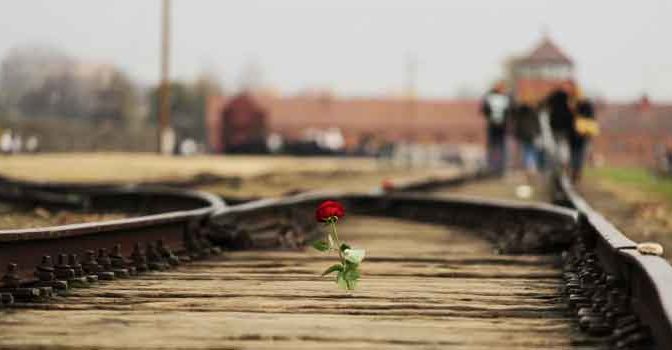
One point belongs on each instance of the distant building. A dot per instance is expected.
(242, 126)
(632, 133)
(533, 76)
(379, 120)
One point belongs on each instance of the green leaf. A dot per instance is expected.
(321, 245)
(333, 268)
(354, 256)
(347, 279)
(345, 283)
(344, 247)
(340, 280)
(351, 274)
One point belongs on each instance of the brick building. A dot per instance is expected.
(533, 76)
(387, 119)
(632, 133)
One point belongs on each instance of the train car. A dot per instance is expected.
(244, 126)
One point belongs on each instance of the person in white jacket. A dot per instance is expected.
(496, 107)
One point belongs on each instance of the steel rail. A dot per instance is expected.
(514, 226)
(644, 282)
(168, 220)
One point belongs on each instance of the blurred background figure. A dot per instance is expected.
(6, 141)
(561, 120)
(573, 123)
(527, 132)
(585, 128)
(32, 144)
(495, 107)
(188, 147)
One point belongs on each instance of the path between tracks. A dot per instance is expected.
(424, 286)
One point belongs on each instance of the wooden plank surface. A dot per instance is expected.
(423, 287)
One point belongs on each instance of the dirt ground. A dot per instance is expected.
(230, 176)
(503, 188)
(21, 218)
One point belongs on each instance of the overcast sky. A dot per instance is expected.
(359, 47)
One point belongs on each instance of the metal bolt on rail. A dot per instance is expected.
(120, 265)
(45, 274)
(12, 285)
(105, 262)
(73, 261)
(154, 259)
(139, 258)
(92, 267)
(205, 242)
(66, 272)
(62, 270)
(194, 246)
(167, 253)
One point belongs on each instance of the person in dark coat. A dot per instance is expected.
(527, 131)
(572, 119)
(496, 107)
(559, 106)
(585, 127)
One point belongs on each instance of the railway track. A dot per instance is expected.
(434, 281)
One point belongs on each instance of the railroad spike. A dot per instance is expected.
(45, 270)
(105, 262)
(120, 265)
(194, 247)
(11, 278)
(92, 267)
(62, 270)
(12, 286)
(80, 274)
(65, 271)
(45, 273)
(167, 253)
(139, 259)
(206, 244)
(154, 259)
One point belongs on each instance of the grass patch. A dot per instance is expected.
(635, 178)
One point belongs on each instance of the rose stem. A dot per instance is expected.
(338, 242)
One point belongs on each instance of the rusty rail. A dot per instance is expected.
(169, 222)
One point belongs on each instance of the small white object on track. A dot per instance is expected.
(524, 192)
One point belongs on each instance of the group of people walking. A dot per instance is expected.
(552, 133)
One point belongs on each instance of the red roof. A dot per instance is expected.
(547, 51)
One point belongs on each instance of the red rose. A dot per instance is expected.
(329, 209)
